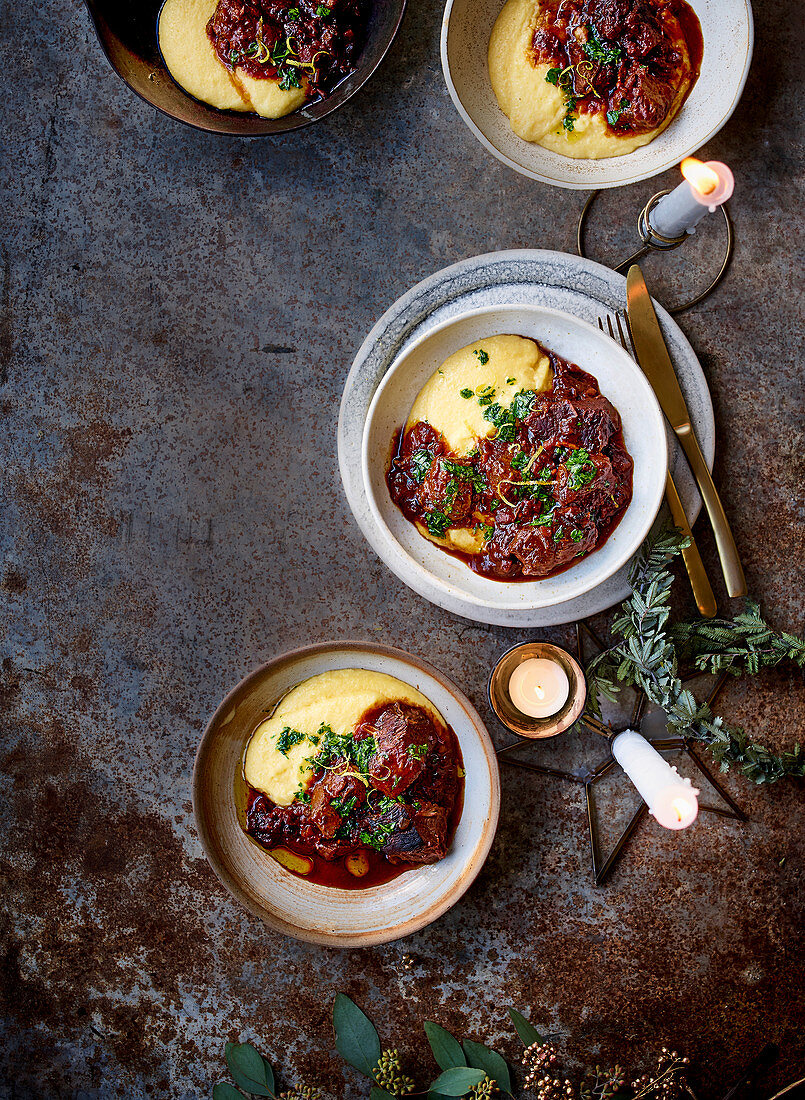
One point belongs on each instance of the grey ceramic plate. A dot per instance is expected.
(554, 280)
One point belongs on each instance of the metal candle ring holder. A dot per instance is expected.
(529, 730)
(655, 242)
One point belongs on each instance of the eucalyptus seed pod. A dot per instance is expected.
(389, 1074)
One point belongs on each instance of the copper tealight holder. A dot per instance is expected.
(523, 724)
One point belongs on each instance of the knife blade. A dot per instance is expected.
(697, 574)
(652, 355)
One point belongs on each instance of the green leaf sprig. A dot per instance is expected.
(649, 651)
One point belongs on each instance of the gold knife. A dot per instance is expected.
(652, 355)
(699, 581)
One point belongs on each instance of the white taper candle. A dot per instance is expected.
(705, 187)
(670, 798)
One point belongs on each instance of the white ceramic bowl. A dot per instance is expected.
(728, 33)
(427, 568)
(322, 914)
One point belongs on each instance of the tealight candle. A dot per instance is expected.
(705, 187)
(670, 798)
(539, 687)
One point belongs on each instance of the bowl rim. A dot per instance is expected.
(445, 588)
(262, 126)
(586, 185)
(218, 863)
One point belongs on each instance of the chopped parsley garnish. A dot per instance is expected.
(486, 399)
(287, 739)
(542, 521)
(302, 795)
(467, 393)
(418, 752)
(510, 381)
(563, 80)
(600, 51)
(481, 356)
(557, 534)
(322, 11)
(293, 15)
(465, 473)
(421, 461)
(503, 420)
(522, 403)
(613, 116)
(519, 460)
(344, 746)
(437, 523)
(344, 808)
(576, 534)
(377, 838)
(288, 78)
(485, 531)
(580, 468)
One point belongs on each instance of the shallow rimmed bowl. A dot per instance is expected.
(427, 568)
(322, 914)
(728, 32)
(128, 34)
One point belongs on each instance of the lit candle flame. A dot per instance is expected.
(701, 177)
(681, 808)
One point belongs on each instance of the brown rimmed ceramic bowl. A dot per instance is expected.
(325, 914)
(128, 35)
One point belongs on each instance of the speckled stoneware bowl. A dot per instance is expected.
(424, 566)
(128, 34)
(321, 914)
(728, 33)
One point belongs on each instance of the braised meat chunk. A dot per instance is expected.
(404, 736)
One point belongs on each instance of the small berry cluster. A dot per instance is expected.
(540, 1060)
(668, 1079)
(389, 1074)
(604, 1084)
(301, 1092)
(484, 1089)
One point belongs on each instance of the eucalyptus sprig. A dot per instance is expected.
(253, 1075)
(467, 1068)
(650, 650)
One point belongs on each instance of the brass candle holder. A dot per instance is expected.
(652, 241)
(523, 724)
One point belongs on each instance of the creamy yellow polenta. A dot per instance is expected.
(505, 365)
(535, 109)
(194, 64)
(338, 699)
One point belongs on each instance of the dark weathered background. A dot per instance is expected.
(179, 314)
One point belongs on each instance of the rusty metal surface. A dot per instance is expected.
(178, 316)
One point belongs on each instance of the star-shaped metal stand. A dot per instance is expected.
(587, 778)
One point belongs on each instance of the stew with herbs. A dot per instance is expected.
(618, 57)
(290, 39)
(381, 800)
(549, 487)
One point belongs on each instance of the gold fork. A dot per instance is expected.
(699, 582)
